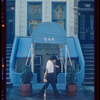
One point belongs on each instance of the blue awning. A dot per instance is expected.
(49, 32)
(71, 48)
(24, 46)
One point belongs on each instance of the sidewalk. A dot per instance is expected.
(83, 93)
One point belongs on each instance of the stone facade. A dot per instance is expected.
(21, 15)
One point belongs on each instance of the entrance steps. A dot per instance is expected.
(8, 54)
(88, 53)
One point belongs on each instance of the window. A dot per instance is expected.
(59, 13)
(34, 16)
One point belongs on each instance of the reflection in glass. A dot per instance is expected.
(33, 23)
(58, 11)
(59, 14)
(34, 11)
(82, 27)
(34, 16)
(60, 22)
(92, 27)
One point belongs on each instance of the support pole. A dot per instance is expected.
(69, 57)
(61, 58)
(32, 57)
(65, 66)
(28, 56)
(65, 62)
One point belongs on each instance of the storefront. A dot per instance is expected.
(31, 13)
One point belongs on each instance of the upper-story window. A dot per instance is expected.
(59, 13)
(34, 16)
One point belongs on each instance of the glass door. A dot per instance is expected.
(86, 27)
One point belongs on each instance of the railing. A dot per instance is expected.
(81, 73)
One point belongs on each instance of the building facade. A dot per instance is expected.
(76, 17)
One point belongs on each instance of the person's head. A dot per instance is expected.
(53, 58)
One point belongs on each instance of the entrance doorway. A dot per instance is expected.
(10, 31)
(86, 27)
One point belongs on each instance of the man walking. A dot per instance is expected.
(49, 77)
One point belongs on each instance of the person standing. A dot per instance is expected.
(49, 77)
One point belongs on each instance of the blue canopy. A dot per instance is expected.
(49, 32)
(71, 46)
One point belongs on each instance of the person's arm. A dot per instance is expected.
(56, 66)
(44, 79)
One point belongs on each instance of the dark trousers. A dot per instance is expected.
(50, 80)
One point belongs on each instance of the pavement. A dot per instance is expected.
(83, 93)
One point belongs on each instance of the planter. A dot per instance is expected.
(26, 89)
(71, 89)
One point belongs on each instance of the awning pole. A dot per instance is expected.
(65, 63)
(32, 57)
(28, 57)
(69, 57)
(61, 58)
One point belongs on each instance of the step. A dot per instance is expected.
(89, 62)
(89, 71)
(7, 62)
(9, 44)
(7, 57)
(8, 83)
(89, 80)
(92, 78)
(7, 74)
(87, 45)
(87, 48)
(92, 74)
(89, 75)
(88, 83)
(88, 54)
(88, 58)
(7, 65)
(8, 79)
(88, 51)
(8, 54)
(7, 70)
(8, 47)
(89, 65)
(8, 51)
(89, 68)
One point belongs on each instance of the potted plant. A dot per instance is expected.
(26, 79)
(71, 81)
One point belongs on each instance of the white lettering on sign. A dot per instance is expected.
(48, 39)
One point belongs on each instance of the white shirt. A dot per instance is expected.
(50, 67)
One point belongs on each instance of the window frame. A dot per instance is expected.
(28, 18)
(57, 19)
